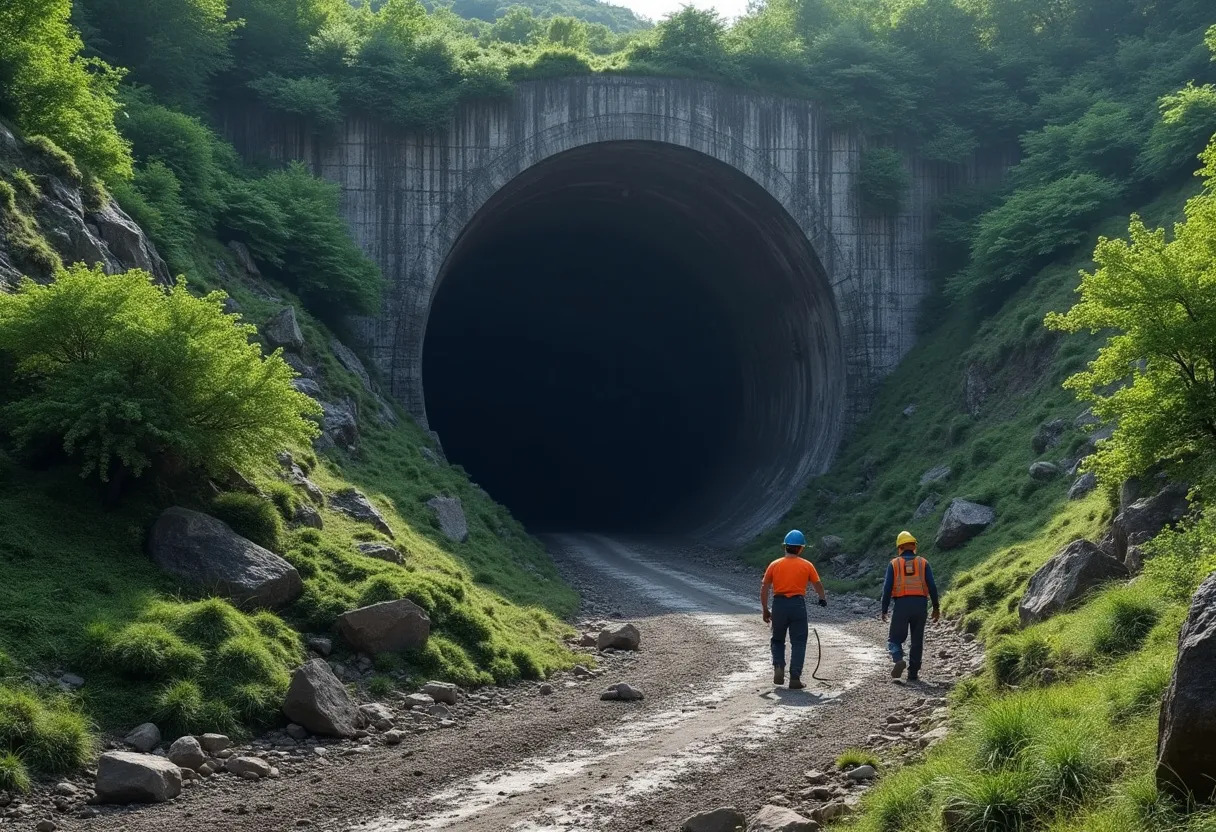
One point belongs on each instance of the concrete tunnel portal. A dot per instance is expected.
(632, 336)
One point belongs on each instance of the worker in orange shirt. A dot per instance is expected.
(788, 577)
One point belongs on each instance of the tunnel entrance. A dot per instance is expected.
(633, 336)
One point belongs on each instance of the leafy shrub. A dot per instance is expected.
(1188, 121)
(1035, 224)
(314, 98)
(250, 516)
(882, 180)
(1178, 560)
(125, 374)
(153, 198)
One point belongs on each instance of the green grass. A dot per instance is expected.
(13, 775)
(853, 757)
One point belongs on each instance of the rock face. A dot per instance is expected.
(284, 331)
(1048, 435)
(1186, 744)
(1070, 574)
(385, 627)
(1144, 519)
(347, 358)
(144, 738)
(725, 819)
(1084, 485)
(452, 521)
(123, 777)
(187, 752)
(619, 637)
(126, 241)
(963, 520)
(339, 426)
(380, 551)
(206, 552)
(780, 819)
(317, 700)
(354, 504)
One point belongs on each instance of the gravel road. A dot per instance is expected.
(711, 731)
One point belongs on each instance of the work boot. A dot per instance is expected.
(778, 675)
(913, 676)
(796, 683)
(897, 669)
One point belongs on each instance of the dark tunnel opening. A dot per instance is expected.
(635, 337)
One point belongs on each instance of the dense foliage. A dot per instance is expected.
(124, 374)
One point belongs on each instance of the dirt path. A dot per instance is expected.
(712, 730)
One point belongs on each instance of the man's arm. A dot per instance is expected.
(823, 596)
(937, 610)
(765, 585)
(888, 585)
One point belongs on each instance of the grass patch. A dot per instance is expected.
(13, 774)
(853, 757)
(250, 516)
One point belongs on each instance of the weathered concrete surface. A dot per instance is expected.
(852, 283)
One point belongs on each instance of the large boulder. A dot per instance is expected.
(319, 702)
(355, 505)
(1186, 743)
(143, 737)
(1070, 574)
(1084, 486)
(385, 627)
(339, 426)
(347, 358)
(1044, 471)
(619, 637)
(187, 752)
(204, 551)
(725, 819)
(124, 777)
(380, 550)
(938, 473)
(1144, 519)
(962, 521)
(450, 513)
(927, 506)
(283, 330)
(1049, 435)
(780, 819)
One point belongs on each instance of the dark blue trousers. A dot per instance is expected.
(908, 616)
(789, 615)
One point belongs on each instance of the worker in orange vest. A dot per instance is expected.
(910, 585)
(788, 577)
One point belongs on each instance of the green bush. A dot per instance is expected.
(380, 687)
(179, 706)
(998, 801)
(153, 198)
(48, 735)
(314, 98)
(853, 757)
(13, 774)
(285, 499)
(1005, 730)
(882, 180)
(124, 374)
(57, 160)
(1125, 618)
(1034, 225)
(1071, 766)
(147, 650)
(250, 516)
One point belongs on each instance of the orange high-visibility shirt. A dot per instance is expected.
(791, 575)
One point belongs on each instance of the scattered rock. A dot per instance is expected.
(452, 521)
(861, 773)
(214, 743)
(1134, 560)
(1144, 519)
(317, 701)
(66, 789)
(144, 738)
(587, 640)
(909, 411)
(380, 551)
(321, 646)
(204, 551)
(976, 387)
(1186, 744)
(780, 819)
(936, 474)
(440, 692)
(963, 520)
(1070, 574)
(545, 689)
(927, 506)
(619, 637)
(622, 692)
(71, 681)
(1084, 486)
(815, 776)
(1044, 471)
(244, 766)
(932, 738)
(46, 826)
(725, 819)
(394, 737)
(297, 732)
(187, 752)
(354, 504)
(123, 777)
(831, 811)
(387, 627)
(417, 700)
(284, 331)
(831, 545)
(1048, 435)
(438, 711)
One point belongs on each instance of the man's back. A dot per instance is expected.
(790, 575)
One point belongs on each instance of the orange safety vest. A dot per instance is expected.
(909, 577)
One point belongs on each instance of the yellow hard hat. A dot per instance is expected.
(904, 539)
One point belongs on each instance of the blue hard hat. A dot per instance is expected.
(795, 538)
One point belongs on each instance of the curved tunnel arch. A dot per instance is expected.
(634, 336)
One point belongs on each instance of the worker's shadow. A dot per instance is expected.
(807, 698)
